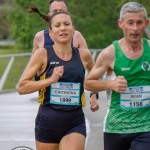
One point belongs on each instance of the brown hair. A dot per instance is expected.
(33, 9)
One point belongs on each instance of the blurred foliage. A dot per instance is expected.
(11, 49)
(95, 19)
(24, 25)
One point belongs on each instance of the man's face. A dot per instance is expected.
(133, 25)
(57, 6)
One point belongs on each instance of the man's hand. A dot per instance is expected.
(119, 84)
(94, 103)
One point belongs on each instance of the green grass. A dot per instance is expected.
(17, 68)
(3, 64)
(10, 50)
(15, 72)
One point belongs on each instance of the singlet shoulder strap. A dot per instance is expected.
(146, 45)
(116, 45)
(118, 51)
(117, 48)
(47, 39)
(49, 50)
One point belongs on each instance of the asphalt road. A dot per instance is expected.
(17, 116)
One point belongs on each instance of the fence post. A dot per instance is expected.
(6, 72)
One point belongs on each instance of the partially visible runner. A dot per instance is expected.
(127, 122)
(60, 69)
(43, 38)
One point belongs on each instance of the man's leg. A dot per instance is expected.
(113, 141)
(141, 142)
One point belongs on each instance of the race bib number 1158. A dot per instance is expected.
(135, 97)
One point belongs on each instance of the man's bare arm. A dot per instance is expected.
(38, 41)
(103, 63)
(79, 41)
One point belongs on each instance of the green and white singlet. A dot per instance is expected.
(129, 112)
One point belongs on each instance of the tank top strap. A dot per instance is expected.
(47, 39)
(146, 45)
(118, 51)
(50, 51)
(116, 45)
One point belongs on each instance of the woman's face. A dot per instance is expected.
(61, 28)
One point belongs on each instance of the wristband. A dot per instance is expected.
(97, 96)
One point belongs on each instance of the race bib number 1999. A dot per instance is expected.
(65, 93)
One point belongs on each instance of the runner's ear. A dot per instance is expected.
(49, 15)
(120, 23)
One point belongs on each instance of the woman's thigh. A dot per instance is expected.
(46, 146)
(73, 141)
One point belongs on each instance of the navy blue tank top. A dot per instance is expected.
(48, 41)
(74, 73)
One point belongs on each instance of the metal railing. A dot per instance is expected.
(12, 57)
(8, 68)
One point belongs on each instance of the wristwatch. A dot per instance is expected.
(97, 95)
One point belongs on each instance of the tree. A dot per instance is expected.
(24, 25)
(95, 19)
(4, 25)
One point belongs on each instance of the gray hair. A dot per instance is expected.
(132, 7)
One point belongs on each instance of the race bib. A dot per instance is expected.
(65, 93)
(135, 97)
